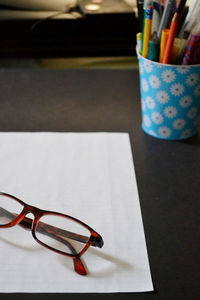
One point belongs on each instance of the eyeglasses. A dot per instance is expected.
(56, 231)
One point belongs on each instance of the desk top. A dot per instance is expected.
(167, 171)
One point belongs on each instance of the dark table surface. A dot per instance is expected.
(168, 172)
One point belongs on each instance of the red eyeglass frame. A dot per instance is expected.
(54, 232)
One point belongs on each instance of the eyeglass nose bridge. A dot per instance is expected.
(32, 209)
(27, 222)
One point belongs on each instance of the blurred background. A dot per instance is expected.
(67, 29)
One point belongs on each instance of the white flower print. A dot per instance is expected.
(170, 112)
(146, 121)
(183, 70)
(185, 101)
(157, 117)
(152, 132)
(164, 131)
(159, 66)
(150, 102)
(186, 133)
(179, 124)
(162, 97)
(197, 90)
(141, 68)
(192, 112)
(145, 85)
(148, 67)
(192, 79)
(168, 76)
(154, 81)
(177, 89)
(143, 104)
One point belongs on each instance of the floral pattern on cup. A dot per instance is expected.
(170, 99)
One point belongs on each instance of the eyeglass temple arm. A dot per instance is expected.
(27, 224)
(78, 265)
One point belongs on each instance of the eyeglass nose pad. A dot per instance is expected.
(79, 267)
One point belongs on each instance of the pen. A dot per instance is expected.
(192, 22)
(172, 32)
(182, 19)
(190, 17)
(162, 6)
(164, 37)
(147, 31)
(166, 17)
(155, 17)
(140, 5)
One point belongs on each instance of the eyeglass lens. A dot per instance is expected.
(9, 209)
(61, 233)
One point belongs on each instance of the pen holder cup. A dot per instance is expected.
(170, 99)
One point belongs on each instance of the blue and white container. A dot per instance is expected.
(170, 98)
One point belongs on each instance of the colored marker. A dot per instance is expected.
(139, 42)
(193, 43)
(153, 50)
(175, 49)
(182, 49)
(164, 37)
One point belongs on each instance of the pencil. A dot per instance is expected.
(147, 31)
(172, 31)
(170, 40)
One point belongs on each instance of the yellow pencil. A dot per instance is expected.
(164, 37)
(147, 31)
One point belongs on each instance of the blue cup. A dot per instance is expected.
(170, 99)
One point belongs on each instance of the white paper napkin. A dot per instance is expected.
(89, 176)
